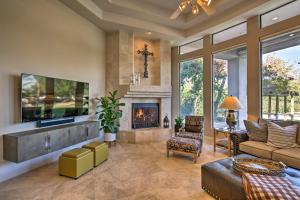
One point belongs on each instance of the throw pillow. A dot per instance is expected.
(281, 123)
(282, 137)
(256, 132)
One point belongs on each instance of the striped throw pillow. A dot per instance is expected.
(282, 137)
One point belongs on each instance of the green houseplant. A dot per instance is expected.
(178, 123)
(109, 114)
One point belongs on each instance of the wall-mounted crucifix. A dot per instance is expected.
(145, 53)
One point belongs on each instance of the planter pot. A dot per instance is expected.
(110, 137)
(177, 128)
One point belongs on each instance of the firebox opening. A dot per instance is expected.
(145, 115)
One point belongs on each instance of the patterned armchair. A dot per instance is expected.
(189, 139)
(193, 128)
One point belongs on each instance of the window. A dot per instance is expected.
(281, 77)
(229, 78)
(191, 87)
(192, 46)
(230, 33)
(282, 13)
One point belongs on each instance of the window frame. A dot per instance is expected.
(213, 75)
(254, 110)
(179, 49)
(262, 39)
(235, 25)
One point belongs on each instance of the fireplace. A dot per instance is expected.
(145, 115)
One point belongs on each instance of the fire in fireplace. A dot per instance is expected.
(145, 115)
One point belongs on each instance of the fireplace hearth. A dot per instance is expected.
(145, 115)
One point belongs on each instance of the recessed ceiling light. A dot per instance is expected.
(275, 18)
(291, 35)
(148, 33)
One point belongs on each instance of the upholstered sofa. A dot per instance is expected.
(290, 156)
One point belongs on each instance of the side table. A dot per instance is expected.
(225, 143)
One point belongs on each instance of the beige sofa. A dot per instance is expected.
(290, 157)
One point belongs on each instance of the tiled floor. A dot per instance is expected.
(133, 172)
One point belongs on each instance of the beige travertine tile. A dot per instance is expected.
(133, 172)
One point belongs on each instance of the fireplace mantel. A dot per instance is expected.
(148, 91)
(148, 95)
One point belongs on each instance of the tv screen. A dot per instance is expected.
(51, 98)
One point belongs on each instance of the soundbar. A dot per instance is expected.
(52, 122)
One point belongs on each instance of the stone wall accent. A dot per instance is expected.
(122, 61)
(153, 61)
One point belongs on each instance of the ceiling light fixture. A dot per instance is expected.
(275, 18)
(195, 9)
(183, 5)
(148, 33)
(195, 5)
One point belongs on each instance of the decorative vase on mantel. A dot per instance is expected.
(136, 79)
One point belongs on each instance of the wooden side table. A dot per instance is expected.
(225, 142)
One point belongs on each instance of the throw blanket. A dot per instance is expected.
(261, 187)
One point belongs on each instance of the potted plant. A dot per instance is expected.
(178, 123)
(109, 115)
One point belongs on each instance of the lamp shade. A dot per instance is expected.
(231, 103)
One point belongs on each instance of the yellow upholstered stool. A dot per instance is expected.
(75, 162)
(100, 150)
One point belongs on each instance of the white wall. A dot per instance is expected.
(43, 37)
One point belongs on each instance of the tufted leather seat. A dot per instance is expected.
(221, 181)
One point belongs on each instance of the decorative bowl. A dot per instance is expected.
(259, 166)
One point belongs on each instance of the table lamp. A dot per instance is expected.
(232, 104)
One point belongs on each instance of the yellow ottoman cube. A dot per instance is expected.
(76, 162)
(100, 150)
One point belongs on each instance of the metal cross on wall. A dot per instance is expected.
(145, 53)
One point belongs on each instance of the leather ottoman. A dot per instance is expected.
(100, 150)
(221, 181)
(76, 162)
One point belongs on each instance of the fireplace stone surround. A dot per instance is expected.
(122, 62)
(130, 134)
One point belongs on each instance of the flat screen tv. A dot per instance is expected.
(45, 98)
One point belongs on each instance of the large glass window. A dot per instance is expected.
(279, 14)
(230, 33)
(192, 46)
(229, 78)
(191, 87)
(281, 77)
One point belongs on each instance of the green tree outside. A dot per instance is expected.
(279, 78)
(191, 87)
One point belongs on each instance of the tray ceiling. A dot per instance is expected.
(141, 16)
